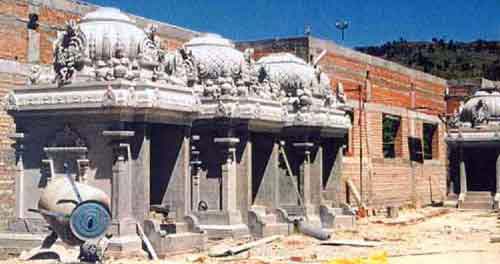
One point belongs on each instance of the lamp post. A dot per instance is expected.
(342, 25)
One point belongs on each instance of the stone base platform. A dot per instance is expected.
(223, 231)
(263, 223)
(220, 224)
(335, 218)
(174, 238)
(13, 244)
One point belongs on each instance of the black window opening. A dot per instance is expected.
(429, 131)
(390, 126)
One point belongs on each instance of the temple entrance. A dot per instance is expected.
(290, 185)
(167, 168)
(481, 169)
(331, 170)
(262, 169)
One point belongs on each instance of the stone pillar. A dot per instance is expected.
(195, 167)
(316, 174)
(229, 174)
(497, 194)
(337, 174)
(463, 177)
(19, 151)
(125, 238)
(305, 187)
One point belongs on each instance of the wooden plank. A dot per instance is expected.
(352, 243)
(147, 242)
(231, 251)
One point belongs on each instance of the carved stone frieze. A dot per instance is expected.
(106, 61)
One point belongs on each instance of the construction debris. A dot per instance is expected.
(352, 243)
(231, 251)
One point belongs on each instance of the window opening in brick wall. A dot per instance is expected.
(390, 132)
(430, 140)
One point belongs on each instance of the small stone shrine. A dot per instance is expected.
(473, 140)
(194, 143)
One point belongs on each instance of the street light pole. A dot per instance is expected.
(342, 25)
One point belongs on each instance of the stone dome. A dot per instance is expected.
(215, 56)
(483, 106)
(108, 29)
(291, 72)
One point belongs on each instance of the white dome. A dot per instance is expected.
(486, 100)
(288, 70)
(107, 28)
(106, 13)
(215, 56)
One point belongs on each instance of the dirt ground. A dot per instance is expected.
(453, 237)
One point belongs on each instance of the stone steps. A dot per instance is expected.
(477, 205)
(477, 200)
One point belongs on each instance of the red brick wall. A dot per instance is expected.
(7, 155)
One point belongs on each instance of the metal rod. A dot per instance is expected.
(360, 125)
(72, 182)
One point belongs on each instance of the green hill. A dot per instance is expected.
(446, 59)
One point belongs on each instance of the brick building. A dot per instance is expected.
(405, 101)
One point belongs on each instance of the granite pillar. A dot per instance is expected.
(316, 159)
(306, 183)
(463, 178)
(125, 238)
(19, 151)
(497, 191)
(337, 174)
(195, 169)
(229, 174)
(305, 172)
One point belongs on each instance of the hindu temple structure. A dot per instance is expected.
(472, 138)
(198, 142)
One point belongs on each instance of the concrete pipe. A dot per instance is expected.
(75, 219)
(312, 231)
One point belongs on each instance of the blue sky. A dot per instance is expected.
(372, 22)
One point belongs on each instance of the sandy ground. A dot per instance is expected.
(455, 237)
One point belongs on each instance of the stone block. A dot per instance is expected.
(166, 243)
